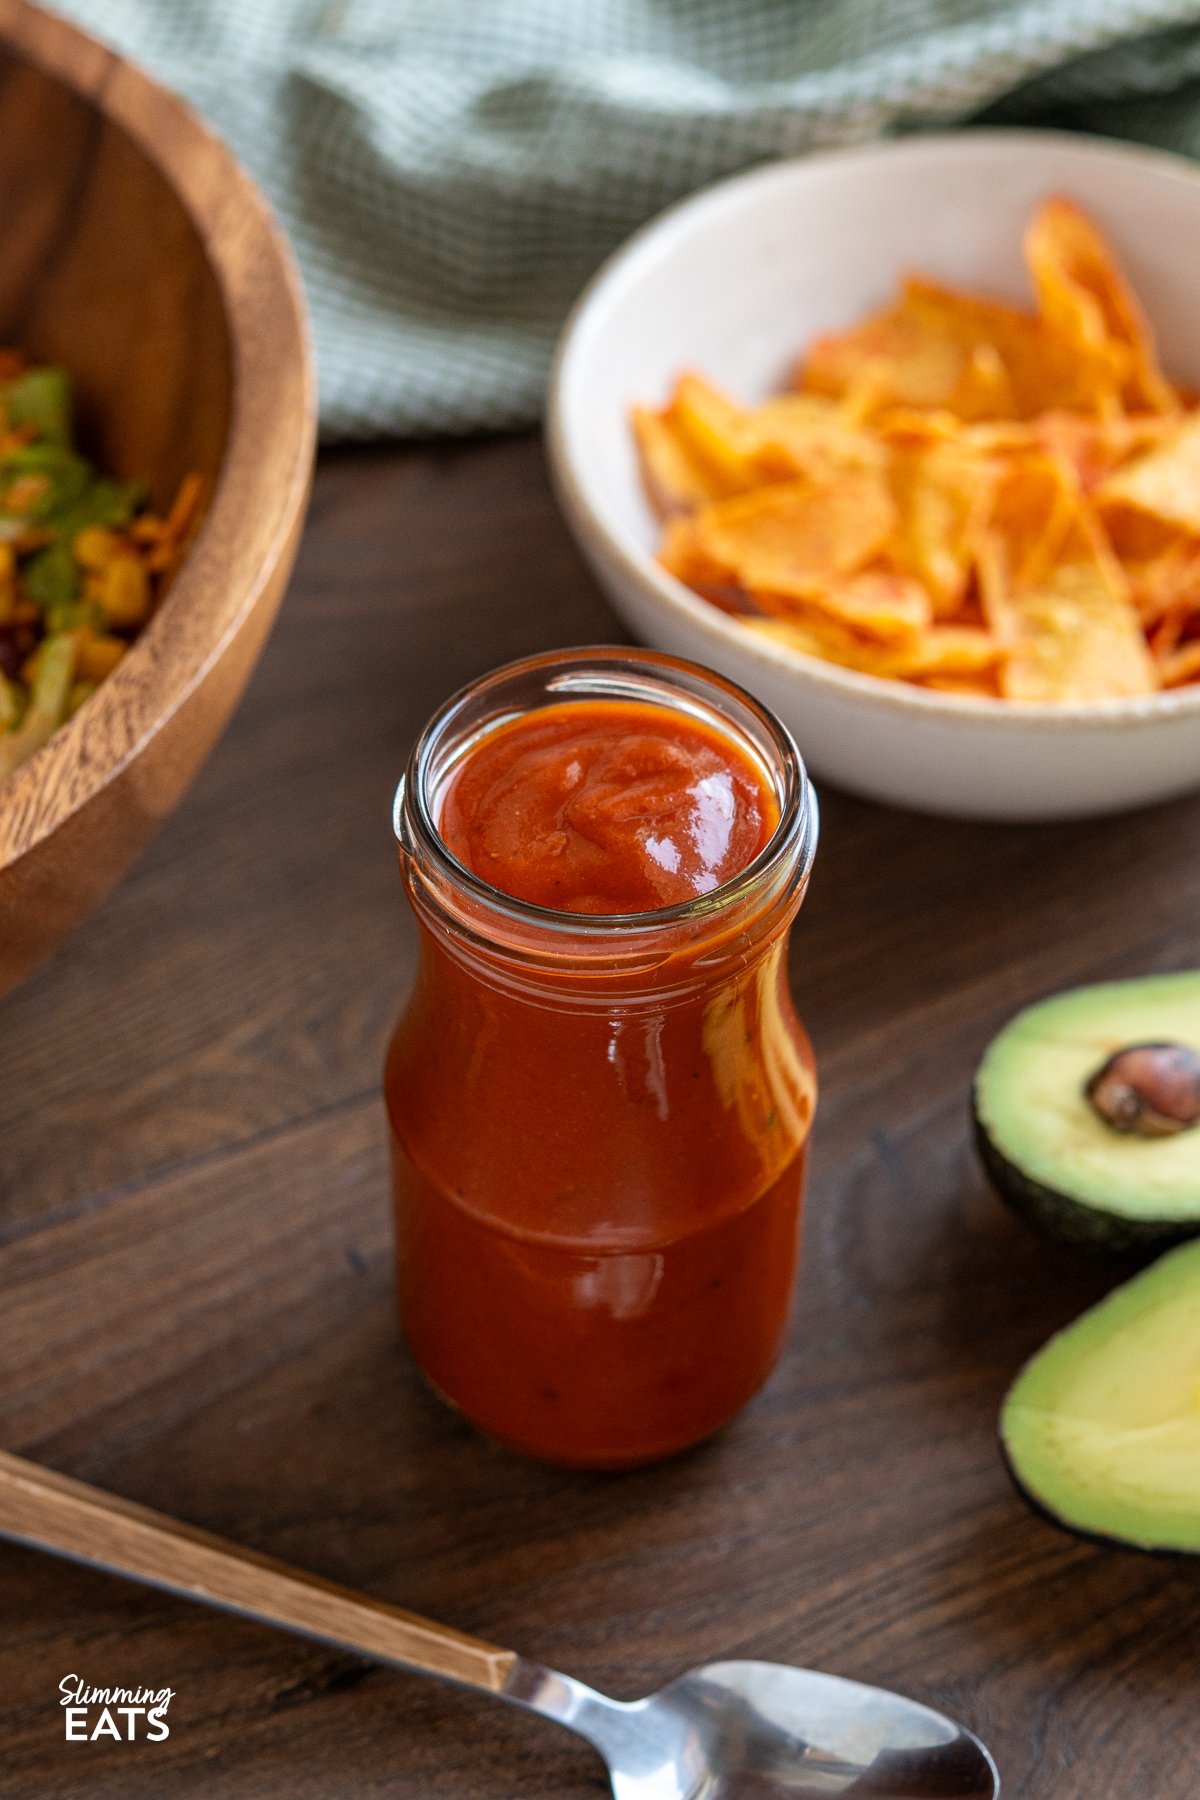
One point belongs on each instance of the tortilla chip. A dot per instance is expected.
(1165, 482)
(943, 650)
(716, 428)
(683, 554)
(950, 650)
(879, 603)
(1168, 632)
(909, 428)
(1182, 666)
(1075, 638)
(703, 446)
(781, 539)
(887, 357)
(1157, 583)
(1096, 448)
(937, 347)
(676, 477)
(801, 434)
(996, 437)
(1137, 538)
(930, 349)
(827, 642)
(1034, 505)
(943, 493)
(1045, 371)
(1082, 293)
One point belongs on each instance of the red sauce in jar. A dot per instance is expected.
(598, 1175)
(607, 806)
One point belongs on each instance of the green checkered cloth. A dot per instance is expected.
(451, 171)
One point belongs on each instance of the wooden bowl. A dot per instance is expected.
(139, 254)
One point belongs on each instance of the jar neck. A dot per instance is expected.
(512, 942)
(659, 969)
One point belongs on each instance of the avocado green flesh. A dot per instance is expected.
(1102, 1428)
(1030, 1100)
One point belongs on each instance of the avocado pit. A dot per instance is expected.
(1148, 1090)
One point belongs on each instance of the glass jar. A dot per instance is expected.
(599, 1123)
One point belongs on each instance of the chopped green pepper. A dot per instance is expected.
(42, 398)
(47, 703)
(51, 576)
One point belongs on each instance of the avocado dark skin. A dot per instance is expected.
(1061, 1217)
(1102, 1539)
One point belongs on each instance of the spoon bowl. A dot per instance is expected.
(766, 1731)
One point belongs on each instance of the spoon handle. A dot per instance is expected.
(68, 1518)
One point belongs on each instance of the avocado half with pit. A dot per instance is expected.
(1101, 1430)
(1085, 1112)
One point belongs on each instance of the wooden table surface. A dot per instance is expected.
(196, 1286)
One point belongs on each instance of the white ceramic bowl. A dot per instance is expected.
(735, 281)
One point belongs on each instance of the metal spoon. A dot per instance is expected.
(728, 1731)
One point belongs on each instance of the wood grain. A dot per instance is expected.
(195, 1282)
(138, 254)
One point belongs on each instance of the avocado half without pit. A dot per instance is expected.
(1086, 1113)
(1101, 1430)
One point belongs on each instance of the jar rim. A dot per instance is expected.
(619, 672)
